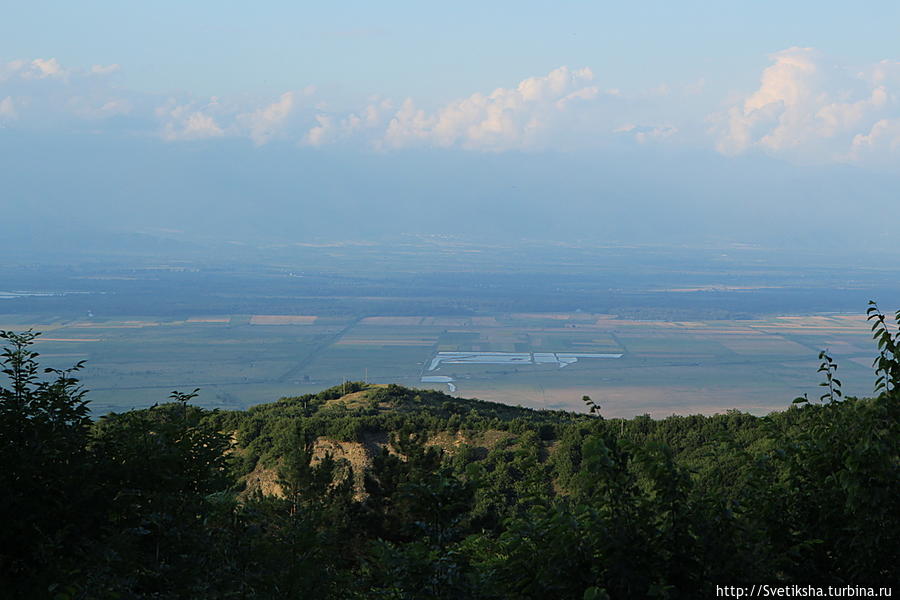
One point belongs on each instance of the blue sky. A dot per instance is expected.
(434, 51)
(741, 92)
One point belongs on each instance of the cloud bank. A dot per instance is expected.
(807, 107)
(564, 108)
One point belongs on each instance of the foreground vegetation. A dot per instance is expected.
(452, 498)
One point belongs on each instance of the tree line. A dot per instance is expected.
(154, 503)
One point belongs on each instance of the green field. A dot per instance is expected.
(667, 367)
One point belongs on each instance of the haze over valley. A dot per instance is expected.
(643, 329)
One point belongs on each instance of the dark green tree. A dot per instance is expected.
(44, 470)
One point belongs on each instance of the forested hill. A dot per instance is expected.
(387, 492)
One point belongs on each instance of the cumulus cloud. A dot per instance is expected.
(48, 68)
(43, 92)
(370, 120)
(194, 126)
(560, 110)
(39, 68)
(188, 122)
(321, 133)
(507, 118)
(810, 108)
(806, 107)
(267, 122)
(882, 140)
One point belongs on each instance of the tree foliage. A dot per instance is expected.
(460, 499)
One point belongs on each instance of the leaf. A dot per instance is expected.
(595, 593)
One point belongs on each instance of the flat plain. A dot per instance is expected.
(699, 329)
(756, 365)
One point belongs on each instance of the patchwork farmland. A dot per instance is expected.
(541, 360)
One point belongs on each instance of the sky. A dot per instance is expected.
(692, 122)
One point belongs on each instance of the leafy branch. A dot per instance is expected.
(832, 383)
(887, 364)
(593, 407)
(829, 367)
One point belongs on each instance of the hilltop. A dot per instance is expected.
(356, 422)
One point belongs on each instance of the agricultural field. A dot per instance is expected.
(540, 360)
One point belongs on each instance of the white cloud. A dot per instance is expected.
(321, 133)
(561, 110)
(880, 144)
(507, 118)
(808, 108)
(10, 69)
(196, 126)
(267, 122)
(7, 108)
(48, 68)
(104, 69)
(647, 133)
(187, 123)
(48, 93)
(370, 120)
(588, 93)
(40, 68)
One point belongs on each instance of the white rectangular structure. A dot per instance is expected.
(513, 358)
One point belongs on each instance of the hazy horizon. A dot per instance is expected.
(232, 192)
